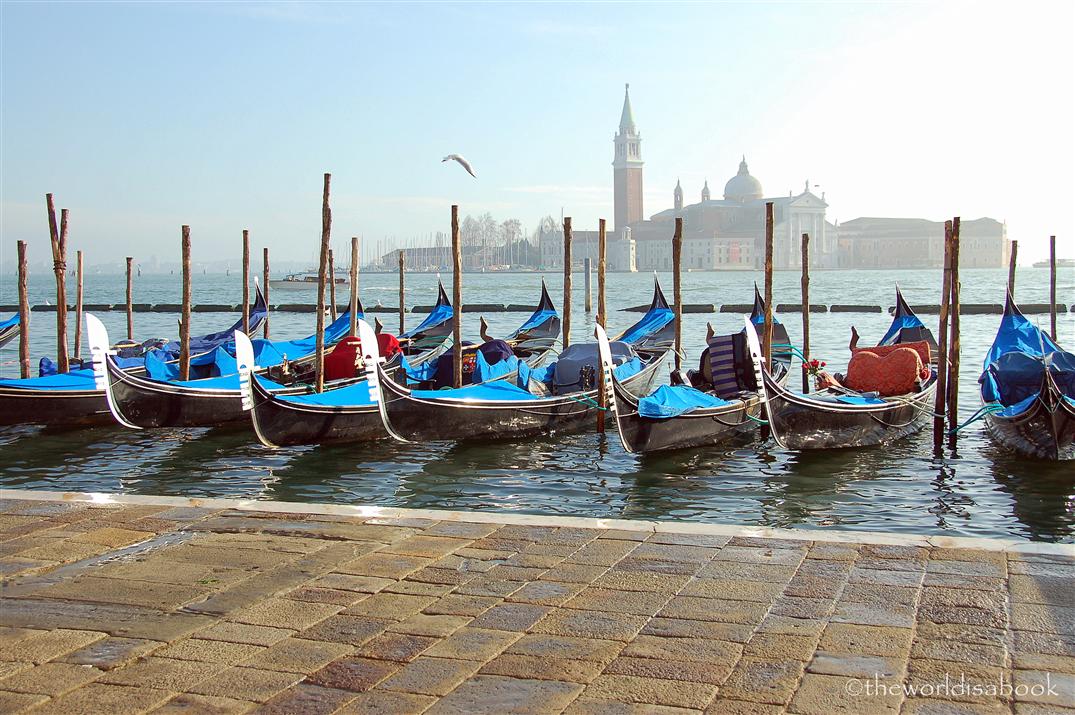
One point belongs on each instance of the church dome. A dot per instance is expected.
(743, 187)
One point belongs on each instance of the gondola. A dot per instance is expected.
(656, 330)
(836, 417)
(9, 329)
(347, 414)
(160, 400)
(432, 331)
(1028, 390)
(709, 411)
(74, 399)
(530, 403)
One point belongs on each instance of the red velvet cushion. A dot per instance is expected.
(921, 347)
(894, 373)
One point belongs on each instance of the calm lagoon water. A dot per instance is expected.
(977, 491)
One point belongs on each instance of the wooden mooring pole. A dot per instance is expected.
(602, 397)
(1011, 268)
(567, 282)
(402, 290)
(265, 287)
(1052, 287)
(184, 324)
(326, 235)
(59, 267)
(24, 314)
(78, 305)
(352, 305)
(246, 282)
(332, 285)
(130, 298)
(457, 301)
(677, 288)
(941, 400)
(588, 270)
(805, 283)
(953, 341)
(767, 337)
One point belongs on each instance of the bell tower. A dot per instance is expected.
(627, 167)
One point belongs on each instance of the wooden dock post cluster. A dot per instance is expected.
(567, 282)
(246, 282)
(402, 306)
(767, 336)
(58, 238)
(265, 288)
(1052, 287)
(805, 284)
(326, 234)
(78, 305)
(946, 407)
(331, 286)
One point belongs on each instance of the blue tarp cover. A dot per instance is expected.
(674, 400)
(74, 380)
(538, 318)
(227, 382)
(627, 369)
(859, 400)
(484, 372)
(441, 312)
(13, 320)
(902, 322)
(1017, 334)
(499, 390)
(357, 393)
(650, 323)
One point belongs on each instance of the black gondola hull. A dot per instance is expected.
(420, 420)
(68, 408)
(1044, 431)
(698, 428)
(798, 422)
(282, 424)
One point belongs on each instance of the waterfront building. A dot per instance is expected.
(919, 243)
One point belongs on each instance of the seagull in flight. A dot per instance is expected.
(462, 162)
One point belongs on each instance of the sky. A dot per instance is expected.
(141, 117)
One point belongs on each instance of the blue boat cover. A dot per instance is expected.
(355, 394)
(860, 400)
(226, 382)
(442, 312)
(545, 311)
(657, 317)
(1017, 334)
(484, 372)
(500, 390)
(674, 400)
(13, 320)
(900, 323)
(81, 379)
(205, 343)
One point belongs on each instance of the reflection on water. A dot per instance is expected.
(980, 492)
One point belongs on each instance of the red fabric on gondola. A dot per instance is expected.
(343, 361)
(387, 344)
(921, 347)
(894, 373)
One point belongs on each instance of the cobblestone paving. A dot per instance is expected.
(139, 608)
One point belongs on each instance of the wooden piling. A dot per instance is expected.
(953, 341)
(332, 285)
(246, 282)
(587, 269)
(402, 290)
(601, 246)
(59, 268)
(1011, 268)
(767, 337)
(805, 284)
(78, 305)
(352, 306)
(265, 287)
(184, 323)
(1052, 287)
(24, 314)
(326, 233)
(602, 397)
(567, 282)
(677, 288)
(941, 401)
(130, 298)
(457, 301)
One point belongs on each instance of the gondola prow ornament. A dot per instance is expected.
(97, 335)
(244, 361)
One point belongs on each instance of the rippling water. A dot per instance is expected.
(978, 491)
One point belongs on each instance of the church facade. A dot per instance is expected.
(728, 233)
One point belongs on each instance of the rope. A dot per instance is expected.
(981, 414)
(757, 419)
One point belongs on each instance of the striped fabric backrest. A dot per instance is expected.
(722, 363)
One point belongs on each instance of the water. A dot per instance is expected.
(979, 491)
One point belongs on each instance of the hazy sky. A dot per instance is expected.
(142, 117)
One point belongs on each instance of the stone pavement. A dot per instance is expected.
(172, 605)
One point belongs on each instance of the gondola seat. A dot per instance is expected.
(896, 372)
(919, 346)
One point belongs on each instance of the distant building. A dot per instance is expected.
(919, 243)
(718, 234)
